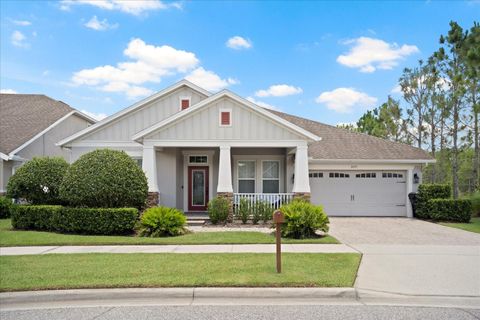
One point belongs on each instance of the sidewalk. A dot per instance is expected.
(226, 248)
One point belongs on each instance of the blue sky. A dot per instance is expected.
(328, 61)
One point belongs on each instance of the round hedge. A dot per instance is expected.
(105, 178)
(38, 180)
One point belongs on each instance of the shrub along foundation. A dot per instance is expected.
(92, 221)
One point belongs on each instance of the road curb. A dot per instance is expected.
(27, 300)
(169, 296)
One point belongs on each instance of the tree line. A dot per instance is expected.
(440, 110)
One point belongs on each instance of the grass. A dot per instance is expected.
(473, 226)
(10, 237)
(69, 271)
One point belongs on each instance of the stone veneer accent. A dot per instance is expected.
(229, 197)
(305, 196)
(152, 199)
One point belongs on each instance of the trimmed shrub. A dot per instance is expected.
(35, 217)
(5, 207)
(95, 221)
(244, 210)
(303, 219)
(38, 180)
(459, 210)
(162, 222)
(105, 178)
(218, 210)
(427, 192)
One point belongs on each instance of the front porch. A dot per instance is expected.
(187, 177)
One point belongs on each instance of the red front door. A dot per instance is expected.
(197, 188)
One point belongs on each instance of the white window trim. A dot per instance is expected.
(184, 98)
(254, 175)
(220, 117)
(279, 173)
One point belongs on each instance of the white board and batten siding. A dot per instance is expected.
(204, 124)
(125, 127)
(360, 193)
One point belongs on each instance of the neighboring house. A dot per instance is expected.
(194, 145)
(31, 125)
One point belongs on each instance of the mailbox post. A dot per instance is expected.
(278, 219)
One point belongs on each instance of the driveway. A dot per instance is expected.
(412, 257)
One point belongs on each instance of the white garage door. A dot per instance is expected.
(359, 193)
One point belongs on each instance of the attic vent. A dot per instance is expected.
(225, 118)
(185, 103)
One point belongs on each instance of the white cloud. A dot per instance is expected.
(19, 39)
(135, 7)
(10, 91)
(23, 23)
(262, 104)
(238, 43)
(368, 54)
(209, 80)
(149, 64)
(98, 25)
(396, 90)
(96, 116)
(279, 90)
(343, 100)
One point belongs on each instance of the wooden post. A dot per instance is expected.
(278, 219)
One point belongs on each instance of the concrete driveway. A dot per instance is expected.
(412, 257)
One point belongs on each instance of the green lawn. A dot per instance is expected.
(10, 237)
(68, 271)
(473, 226)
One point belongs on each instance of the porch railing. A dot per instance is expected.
(271, 200)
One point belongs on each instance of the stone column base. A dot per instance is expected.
(152, 199)
(229, 197)
(304, 196)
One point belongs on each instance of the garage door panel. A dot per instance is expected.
(375, 193)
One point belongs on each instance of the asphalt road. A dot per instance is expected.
(244, 312)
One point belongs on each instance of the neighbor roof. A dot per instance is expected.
(23, 116)
(343, 144)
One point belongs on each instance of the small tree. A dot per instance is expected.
(105, 178)
(38, 180)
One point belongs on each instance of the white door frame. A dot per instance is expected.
(186, 163)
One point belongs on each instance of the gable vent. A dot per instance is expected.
(225, 118)
(185, 103)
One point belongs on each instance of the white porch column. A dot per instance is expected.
(149, 166)
(225, 171)
(301, 182)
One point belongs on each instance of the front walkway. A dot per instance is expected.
(224, 248)
(412, 257)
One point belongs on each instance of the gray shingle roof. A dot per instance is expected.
(22, 116)
(338, 143)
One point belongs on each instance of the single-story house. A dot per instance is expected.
(30, 126)
(194, 145)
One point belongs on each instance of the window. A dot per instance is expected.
(392, 175)
(338, 175)
(271, 176)
(184, 103)
(246, 176)
(225, 118)
(198, 159)
(138, 161)
(366, 175)
(315, 174)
